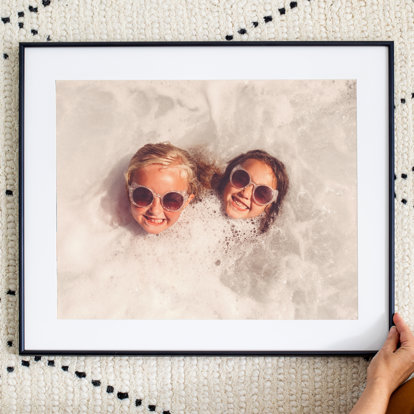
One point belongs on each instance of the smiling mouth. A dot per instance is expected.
(238, 204)
(154, 221)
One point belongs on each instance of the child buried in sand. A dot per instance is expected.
(253, 184)
(161, 181)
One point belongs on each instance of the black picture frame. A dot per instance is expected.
(24, 70)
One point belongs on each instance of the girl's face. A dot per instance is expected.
(239, 203)
(161, 180)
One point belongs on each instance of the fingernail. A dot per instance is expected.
(392, 330)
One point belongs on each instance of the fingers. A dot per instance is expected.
(391, 342)
(406, 337)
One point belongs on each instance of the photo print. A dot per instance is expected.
(172, 258)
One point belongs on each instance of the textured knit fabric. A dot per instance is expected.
(193, 384)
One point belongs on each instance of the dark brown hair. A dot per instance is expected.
(220, 181)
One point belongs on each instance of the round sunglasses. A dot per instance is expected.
(141, 196)
(262, 194)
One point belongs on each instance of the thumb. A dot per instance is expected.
(406, 337)
(391, 342)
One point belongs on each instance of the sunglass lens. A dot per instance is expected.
(263, 194)
(240, 179)
(173, 201)
(142, 197)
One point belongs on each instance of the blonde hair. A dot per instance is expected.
(168, 155)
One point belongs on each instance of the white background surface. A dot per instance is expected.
(46, 65)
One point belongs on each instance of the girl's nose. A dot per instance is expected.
(247, 191)
(156, 207)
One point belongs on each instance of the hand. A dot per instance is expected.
(391, 366)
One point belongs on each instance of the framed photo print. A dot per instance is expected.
(206, 198)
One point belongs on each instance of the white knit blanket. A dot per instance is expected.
(193, 384)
